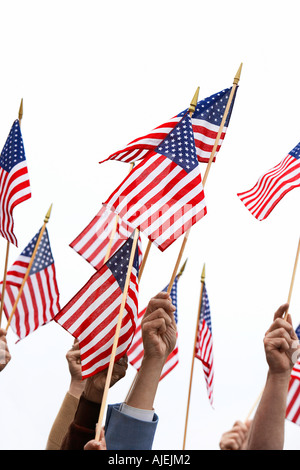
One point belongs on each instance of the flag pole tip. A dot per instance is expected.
(21, 110)
(182, 269)
(47, 216)
(203, 273)
(238, 74)
(194, 101)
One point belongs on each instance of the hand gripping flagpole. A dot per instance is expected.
(46, 220)
(285, 317)
(186, 234)
(133, 382)
(193, 360)
(8, 243)
(116, 338)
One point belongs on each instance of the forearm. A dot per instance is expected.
(267, 430)
(82, 428)
(143, 392)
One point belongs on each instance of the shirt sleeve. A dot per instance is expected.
(125, 432)
(138, 413)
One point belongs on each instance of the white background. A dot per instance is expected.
(94, 75)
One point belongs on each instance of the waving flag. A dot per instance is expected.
(204, 344)
(206, 122)
(273, 185)
(92, 314)
(293, 397)
(14, 181)
(163, 195)
(92, 243)
(136, 351)
(39, 301)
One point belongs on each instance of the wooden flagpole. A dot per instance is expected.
(116, 338)
(46, 220)
(285, 316)
(192, 110)
(8, 243)
(193, 360)
(186, 234)
(293, 277)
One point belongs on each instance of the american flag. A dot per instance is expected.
(92, 314)
(293, 397)
(273, 185)
(39, 301)
(136, 351)
(163, 195)
(206, 121)
(204, 344)
(14, 181)
(92, 243)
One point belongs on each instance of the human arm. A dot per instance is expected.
(82, 428)
(281, 349)
(159, 339)
(134, 428)
(69, 405)
(5, 356)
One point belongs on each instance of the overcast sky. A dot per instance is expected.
(95, 75)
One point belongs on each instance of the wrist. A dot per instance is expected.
(76, 388)
(92, 393)
(279, 377)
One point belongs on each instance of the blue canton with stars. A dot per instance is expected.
(179, 145)
(296, 151)
(13, 150)
(118, 263)
(43, 257)
(173, 295)
(211, 109)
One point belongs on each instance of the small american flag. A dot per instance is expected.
(293, 397)
(163, 195)
(136, 351)
(39, 301)
(14, 181)
(92, 243)
(92, 314)
(273, 185)
(204, 344)
(206, 122)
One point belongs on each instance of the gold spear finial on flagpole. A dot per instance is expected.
(46, 220)
(203, 273)
(238, 75)
(194, 101)
(182, 269)
(21, 111)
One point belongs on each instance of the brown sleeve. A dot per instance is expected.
(62, 421)
(82, 429)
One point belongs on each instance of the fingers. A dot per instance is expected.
(160, 306)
